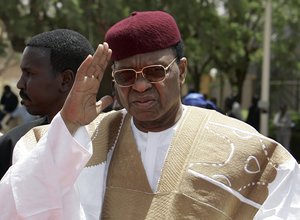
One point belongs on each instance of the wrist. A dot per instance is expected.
(71, 126)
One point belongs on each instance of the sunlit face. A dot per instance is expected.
(39, 86)
(154, 106)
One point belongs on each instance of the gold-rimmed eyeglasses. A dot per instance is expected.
(153, 73)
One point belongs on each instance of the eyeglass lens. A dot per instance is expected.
(151, 73)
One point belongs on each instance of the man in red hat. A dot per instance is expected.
(154, 159)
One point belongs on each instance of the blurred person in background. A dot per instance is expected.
(9, 103)
(198, 99)
(253, 117)
(49, 64)
(283, 126)
(234, 107)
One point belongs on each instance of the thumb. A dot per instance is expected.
(104, 102)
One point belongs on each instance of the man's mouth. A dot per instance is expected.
(144, 103)
(24, 97)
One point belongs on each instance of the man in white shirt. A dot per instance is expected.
(156, 158)
(48, 67)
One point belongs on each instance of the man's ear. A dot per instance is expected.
(67, 80)
(183, 70)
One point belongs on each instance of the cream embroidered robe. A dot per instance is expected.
(216, 168)
(211, 172)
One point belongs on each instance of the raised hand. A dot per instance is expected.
(80, 107)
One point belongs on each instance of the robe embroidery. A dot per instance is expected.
(207, 162)
(196, 175)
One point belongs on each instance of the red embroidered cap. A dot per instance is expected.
(142, 32)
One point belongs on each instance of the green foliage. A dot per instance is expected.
(224, 34)
(285, 39)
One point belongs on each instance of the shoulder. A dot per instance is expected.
(218, 119)
(16, 133)
(222, 133)
(227, 122)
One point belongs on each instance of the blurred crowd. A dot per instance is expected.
(12, 113)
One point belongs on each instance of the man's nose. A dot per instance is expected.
(141, 84)
(21, 82)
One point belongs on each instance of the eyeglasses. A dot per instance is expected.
(153, 73)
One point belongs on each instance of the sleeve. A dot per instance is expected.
(284, 200)
(41, 185)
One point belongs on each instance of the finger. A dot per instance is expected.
(99, 63)
(104, 62)
(83, 67)
(104, 102)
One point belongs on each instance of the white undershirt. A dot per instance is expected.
(153, 147)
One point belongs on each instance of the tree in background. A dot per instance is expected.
(285, 39)
(224, 34)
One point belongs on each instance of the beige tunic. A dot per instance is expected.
(211, 172)
(216, 168)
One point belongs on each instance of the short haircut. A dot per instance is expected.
(179, 50)
(68, 48)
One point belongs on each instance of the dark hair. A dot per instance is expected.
(68, 48)
(179, 50)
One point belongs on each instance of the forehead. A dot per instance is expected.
(140, 60)
(35, 56)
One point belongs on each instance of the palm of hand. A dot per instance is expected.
(80, 107)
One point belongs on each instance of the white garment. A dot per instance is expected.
(50, 192)
(43, 186)
(153, 147)
(91, 197)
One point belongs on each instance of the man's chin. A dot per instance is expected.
(32, 111)
(146, 117)
(25, 102)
